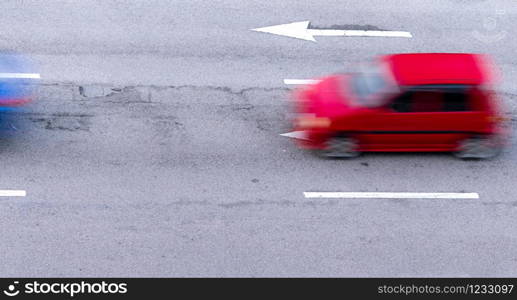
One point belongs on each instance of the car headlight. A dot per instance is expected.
(313, 122)
(497, 119)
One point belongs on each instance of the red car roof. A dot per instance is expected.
(439, 68)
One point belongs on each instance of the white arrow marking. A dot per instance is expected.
(301, 81)
(295, 135)
(13, 193)
(391, 195)
(300, 30)
(20, 75)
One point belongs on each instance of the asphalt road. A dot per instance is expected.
(152, 148)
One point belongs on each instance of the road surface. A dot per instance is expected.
(153, 146)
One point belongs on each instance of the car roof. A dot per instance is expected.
(439, 68)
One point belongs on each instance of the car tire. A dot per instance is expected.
(340, 147)
(478, 148)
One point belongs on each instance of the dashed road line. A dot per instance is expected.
(301, 81)
(389, 195)
(20, 75)
(13, 193)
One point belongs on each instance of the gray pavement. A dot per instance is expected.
(152, 148)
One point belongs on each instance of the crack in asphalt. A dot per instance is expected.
(163, 122)
(112, 90)
(61, 120)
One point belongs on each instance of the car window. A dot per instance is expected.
(456, 99)
(427, 101)
(433, 99)
(402, 103)
(371, 85)
(367, 84)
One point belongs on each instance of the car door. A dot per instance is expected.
(459, 118)
(430, 117)
(410, 121)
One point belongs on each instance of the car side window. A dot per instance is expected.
(433, 98)
(418, 100)
(427, 101)
(456, 99)
(402, 103)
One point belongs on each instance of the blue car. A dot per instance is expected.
(17, 79)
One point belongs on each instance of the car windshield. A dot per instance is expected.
(370, 85)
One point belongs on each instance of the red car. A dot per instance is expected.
(404, 102)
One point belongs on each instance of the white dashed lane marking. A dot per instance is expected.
(389, 195)
(20, 75)
(300, 81)
(13, 193)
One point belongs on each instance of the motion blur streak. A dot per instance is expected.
(17, 82)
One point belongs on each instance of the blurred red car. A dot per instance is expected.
(404, 102)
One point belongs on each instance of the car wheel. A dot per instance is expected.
(478, 148)
(340, 147)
